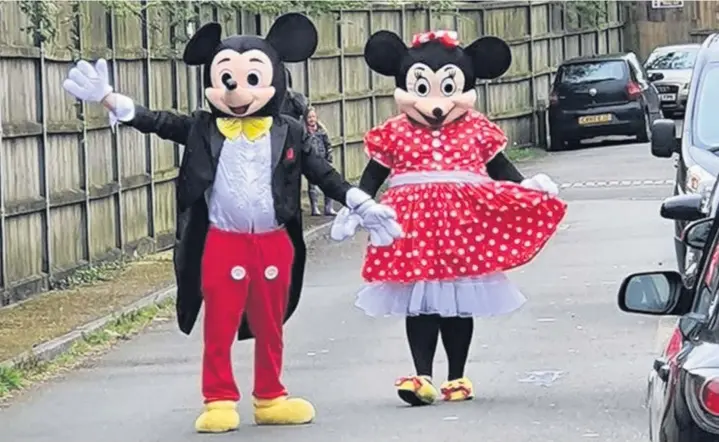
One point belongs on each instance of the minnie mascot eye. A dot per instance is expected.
(467, 213)
(239, 230)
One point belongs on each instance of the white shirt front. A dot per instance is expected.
(240, 199)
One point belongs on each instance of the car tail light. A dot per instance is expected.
(701, 391)
(674, 344)
(709, 397)
(633, 90)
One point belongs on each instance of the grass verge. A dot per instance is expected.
(30, 371)
(520, 154)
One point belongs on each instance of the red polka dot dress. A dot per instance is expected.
(462, 230)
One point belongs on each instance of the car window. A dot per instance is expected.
(593, 71)
(706, 130)
(671, 60)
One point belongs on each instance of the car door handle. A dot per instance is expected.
(662, 369)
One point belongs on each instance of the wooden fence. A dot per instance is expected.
(652, 27)
(72, 193)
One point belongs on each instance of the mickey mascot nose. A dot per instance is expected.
(229, 83)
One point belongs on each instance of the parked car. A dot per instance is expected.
(601, 95)
(683, 384)
(670, 69)
(698, 144)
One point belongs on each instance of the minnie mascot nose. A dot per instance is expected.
(239, 231)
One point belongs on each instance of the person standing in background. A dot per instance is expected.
(295, 104)
(320, 144)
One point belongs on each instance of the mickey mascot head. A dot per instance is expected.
(245, 74)
(435, 78)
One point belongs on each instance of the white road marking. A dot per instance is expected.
(624, 183)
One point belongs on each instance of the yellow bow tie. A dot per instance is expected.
(253, 128)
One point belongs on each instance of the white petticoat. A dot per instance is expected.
(489, 295)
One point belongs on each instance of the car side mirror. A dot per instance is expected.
(696, 233)
(683, 207)
(664, 138)
(656, 76)
(652, 293)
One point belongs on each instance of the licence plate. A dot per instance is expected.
(668, 97)
(594, 119)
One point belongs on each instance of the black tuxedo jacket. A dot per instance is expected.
(291, 158)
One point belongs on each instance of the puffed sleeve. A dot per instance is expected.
(377, 147)
(491, 140)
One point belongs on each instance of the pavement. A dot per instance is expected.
(567, 367)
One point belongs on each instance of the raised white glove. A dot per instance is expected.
(92, 83)
(87, 82)
(542, 183)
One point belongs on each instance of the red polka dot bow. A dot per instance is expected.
(447, 38)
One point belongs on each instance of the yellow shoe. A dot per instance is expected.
(283, 411)
(457, 390)
(416, 390)
(218, 417)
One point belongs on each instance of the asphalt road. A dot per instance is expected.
(568, 367)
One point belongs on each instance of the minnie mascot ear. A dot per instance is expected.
(467, 213)
(240, 246)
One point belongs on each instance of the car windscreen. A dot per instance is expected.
(594, 71)
(670, 60)
(706, 109)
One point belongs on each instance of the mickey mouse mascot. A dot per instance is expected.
(467, 213)
(239, 232)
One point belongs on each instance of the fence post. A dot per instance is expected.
(116, 138)
(532, 78)
(77, 9)
(343, 98)
(47, 225)
(149, 151)
(4, 298)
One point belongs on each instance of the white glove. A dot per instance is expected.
(381, 222)
(92, 83)
(542, 183)
(345, 225)
(87, 82)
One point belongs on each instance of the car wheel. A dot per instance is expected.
(645, 133)
(556, 142)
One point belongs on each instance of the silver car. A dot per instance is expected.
(670, 70)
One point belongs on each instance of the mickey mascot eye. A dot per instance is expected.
(253, 78)
(421, 87)
(448, 86)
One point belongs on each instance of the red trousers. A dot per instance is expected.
(244, 272)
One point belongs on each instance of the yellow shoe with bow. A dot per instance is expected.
(416, 390)
(283, 411)
(457, 390)
(218, 417)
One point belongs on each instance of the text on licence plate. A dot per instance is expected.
(593, 119)
(668, 97)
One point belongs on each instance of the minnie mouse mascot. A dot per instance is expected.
(239, 234)
(466, 212)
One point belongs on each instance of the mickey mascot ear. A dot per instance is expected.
(491, 57)
(200, 48)
(384, 52)
(294, 37)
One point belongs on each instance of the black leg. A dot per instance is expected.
(456, 337)
(422, 335)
